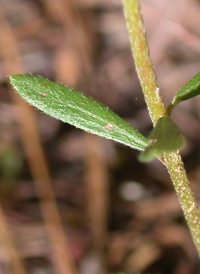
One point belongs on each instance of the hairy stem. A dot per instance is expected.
(173, 162)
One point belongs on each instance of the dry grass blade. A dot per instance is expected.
(96, 175)
(97, 186)
(16, 265)
(63, 260)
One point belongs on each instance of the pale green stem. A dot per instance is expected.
(173, 162)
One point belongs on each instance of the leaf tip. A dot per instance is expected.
(14, 79)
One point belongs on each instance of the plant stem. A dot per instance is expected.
(142, 60)
(173, 162)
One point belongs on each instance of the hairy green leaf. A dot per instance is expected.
(191, 89)
(164, 138)
(76, 109)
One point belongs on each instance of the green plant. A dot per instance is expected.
(83, 112)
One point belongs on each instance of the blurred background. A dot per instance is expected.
(74, 203)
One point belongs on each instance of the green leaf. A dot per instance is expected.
(166, 137)
(76, 109)
(191, 89)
